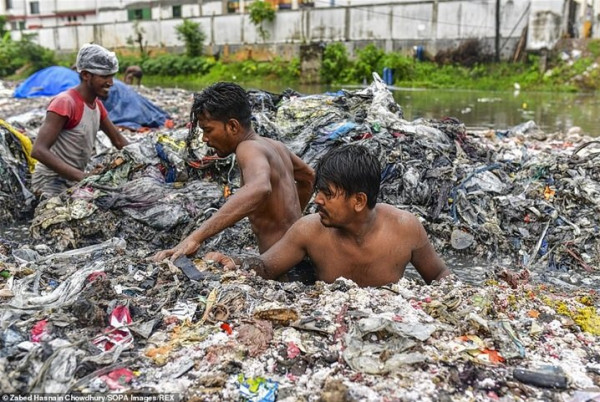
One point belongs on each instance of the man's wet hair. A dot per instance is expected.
(351, 168)
(221, 101)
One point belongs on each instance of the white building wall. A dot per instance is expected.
(546, 23)
(412, 21)
(393, 21)
(326, 24)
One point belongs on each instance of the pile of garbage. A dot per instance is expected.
(84, 309)
(16, 166)
(104, 319)
(519, 193)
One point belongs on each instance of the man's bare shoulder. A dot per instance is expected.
(310, 222)
(252, 149)
(396, 215)
(403, 223)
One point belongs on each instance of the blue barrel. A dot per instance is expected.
(388, 78)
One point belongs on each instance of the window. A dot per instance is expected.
(34, 7)
(8, 4)
(176, 11)
(13, 26)
(139, 14)
(233, 6)
(21, 25)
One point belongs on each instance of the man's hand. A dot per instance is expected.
(220, 258)
(186, 247)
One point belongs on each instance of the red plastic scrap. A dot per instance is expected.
(113, 335)
(96, 275)
(292, 350)
(493, 355)
(39, 330)
(117, 379)
(227, 328)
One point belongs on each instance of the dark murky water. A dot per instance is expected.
(552, 112)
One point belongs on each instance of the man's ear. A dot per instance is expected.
(85, 75)
(233, 126)
(360, 201)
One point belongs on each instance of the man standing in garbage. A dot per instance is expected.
(67, 137)
(133, 73)
(276, 184)
(351, 235)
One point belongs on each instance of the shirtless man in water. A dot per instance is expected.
(350, 236)
(276, 184)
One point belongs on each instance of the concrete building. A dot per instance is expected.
(64, 25)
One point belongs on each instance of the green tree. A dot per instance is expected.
(367, 62)
(192, 35)
(25, 52)
(2, 25)
(261, 11)
(335, 64)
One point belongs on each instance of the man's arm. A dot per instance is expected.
(113, 133)
(279, 259)
(427, 262)
(257, 186)
(47, 136)
(305, 180)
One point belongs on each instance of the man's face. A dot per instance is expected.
(334, 208)
(100, 84)
(217, 135)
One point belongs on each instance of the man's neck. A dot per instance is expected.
(249, 135)
(88, 96)
(360, 228)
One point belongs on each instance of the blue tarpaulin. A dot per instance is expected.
(129, 109)
(126, 107)
(47, 82)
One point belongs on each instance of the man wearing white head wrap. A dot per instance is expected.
(66, 139)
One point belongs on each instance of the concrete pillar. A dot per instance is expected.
(212, 28)
(311, 57)
(596, 19)
(434, 26)
(347, 24)
(242, 40)
(160, 10)
(56, 41)
(391, 22)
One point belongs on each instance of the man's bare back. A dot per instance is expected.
(281, 208)
(276, 184)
